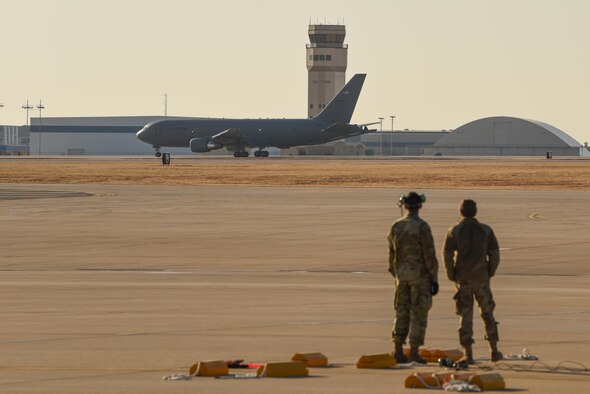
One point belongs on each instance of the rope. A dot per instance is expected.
(539, 366)
(437, 387)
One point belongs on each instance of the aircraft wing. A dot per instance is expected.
(231, 137)
(369, 124)
(346, 130)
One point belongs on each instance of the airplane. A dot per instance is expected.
(237, 135)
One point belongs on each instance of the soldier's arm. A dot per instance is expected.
(391, 251)
(449, 255)
(493, 254)
(429, 252)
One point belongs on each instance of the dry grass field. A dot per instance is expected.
(492, 173)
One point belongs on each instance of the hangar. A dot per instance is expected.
(106, 135)
(506, 136)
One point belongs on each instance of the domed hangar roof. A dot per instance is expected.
(505, 131)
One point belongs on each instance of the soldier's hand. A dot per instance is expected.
(433, 288)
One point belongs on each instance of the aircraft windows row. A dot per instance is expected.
(320, 57)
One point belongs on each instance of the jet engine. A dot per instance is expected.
(200, 145)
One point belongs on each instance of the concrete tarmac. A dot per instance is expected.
(110, 288)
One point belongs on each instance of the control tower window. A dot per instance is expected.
(327, 38)
(337, 38)
(317, 38)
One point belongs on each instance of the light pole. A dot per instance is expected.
(381, 137)
(27, 107)
(166, 104)
(40, 107)
(391, 136)
(2, 106)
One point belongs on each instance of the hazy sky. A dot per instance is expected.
(435, 64)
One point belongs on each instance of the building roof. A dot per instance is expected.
(507, 131)
(568, 139)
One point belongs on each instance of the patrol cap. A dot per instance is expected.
(468, 208)
(412, 200)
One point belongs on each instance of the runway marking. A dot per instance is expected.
(550, 245)
(535, 216)
(320, 271)
(77, 369)
(15, 194)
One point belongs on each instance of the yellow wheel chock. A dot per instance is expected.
(432, 355)
(311, 359)
(430, 380)
(292, 369)
(489, 381)
(378, 361)
(209, 368)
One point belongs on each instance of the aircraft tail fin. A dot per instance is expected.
(340, 109)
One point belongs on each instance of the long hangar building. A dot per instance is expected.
(326, 61)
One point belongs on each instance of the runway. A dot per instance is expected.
(109, 288)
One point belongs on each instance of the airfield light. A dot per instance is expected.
(40, 107)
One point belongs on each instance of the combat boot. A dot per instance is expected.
(468, 357)
(415, 357)
(496, 354)
(399, 355)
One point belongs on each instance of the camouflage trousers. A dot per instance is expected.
(412, 303)
(482, 292)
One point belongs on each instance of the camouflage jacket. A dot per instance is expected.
(411, 250)
(471, 252)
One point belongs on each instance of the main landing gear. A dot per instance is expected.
(241, 153)
(261, 153)
(257, 153)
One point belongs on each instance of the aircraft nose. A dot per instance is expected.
(142, 134)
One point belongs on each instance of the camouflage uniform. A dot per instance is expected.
(471, 256)
(412, 261)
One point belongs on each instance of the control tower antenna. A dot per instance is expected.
(327, 59)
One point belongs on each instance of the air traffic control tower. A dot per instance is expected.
(327, 57)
